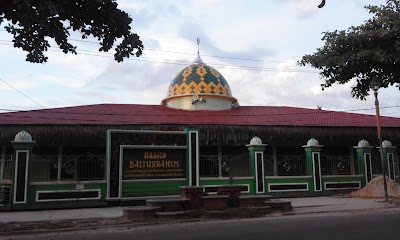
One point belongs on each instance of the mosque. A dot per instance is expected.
(198, 136)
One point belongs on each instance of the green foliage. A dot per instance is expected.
(32, 21)
(364, 53)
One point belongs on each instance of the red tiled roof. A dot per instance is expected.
(134, 114)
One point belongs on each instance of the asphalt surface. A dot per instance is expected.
(360, 225)
(21, 222)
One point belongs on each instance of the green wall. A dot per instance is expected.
(153, 188)
(33, 189)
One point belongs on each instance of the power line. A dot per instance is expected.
(182, 62)
(22, 93)
(309, 111)
(364, 109)
(71, 114)
(183, 53)
(111, 114)
(388, 95)
(192, 54)
(178, 62)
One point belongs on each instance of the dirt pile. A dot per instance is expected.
(374, 189)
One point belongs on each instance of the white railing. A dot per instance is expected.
(84, 167)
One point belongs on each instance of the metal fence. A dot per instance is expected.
(335, 165)
(230, 165)
(239, 165)
(88, 166)
(269, 165)
(376, 165)
(209, 166)
(292, 165)
(6, 167)
(84, 167)
(289, 165)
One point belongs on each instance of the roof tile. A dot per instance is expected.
(135, 114)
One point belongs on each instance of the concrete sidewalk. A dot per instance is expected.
(62, 214)
(337, 204)
(300, 206)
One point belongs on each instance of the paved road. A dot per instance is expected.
(300, 205)
(363, 226)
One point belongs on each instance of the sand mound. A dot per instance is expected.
(374, 189)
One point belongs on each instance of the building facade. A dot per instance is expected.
(199, 135)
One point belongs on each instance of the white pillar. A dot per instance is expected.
(59, 163)
(220, 161)
(275, 161)
(2, 161)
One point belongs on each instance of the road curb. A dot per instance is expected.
(360, 210)
(123, 224)
(82, 228)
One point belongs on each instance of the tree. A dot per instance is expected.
(33, 22)
(363, 53)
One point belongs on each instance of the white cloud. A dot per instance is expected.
(279, 32)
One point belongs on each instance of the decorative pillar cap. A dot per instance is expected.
(387, 144)
(363, 144)
(23, 136)
(313, 143)
(256, 141)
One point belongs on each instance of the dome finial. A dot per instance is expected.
(198, 46)
(198, 59)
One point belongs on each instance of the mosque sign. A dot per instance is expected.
(153, 163)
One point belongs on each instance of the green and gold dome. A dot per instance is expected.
(199, 87)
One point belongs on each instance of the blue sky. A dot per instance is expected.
(273, 34)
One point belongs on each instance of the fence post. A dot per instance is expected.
(2, 161)
(364, 151)
(22, 152)
(193, 156)
(256, 151)
(5, 182)
(388, 152)
(313, 164)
